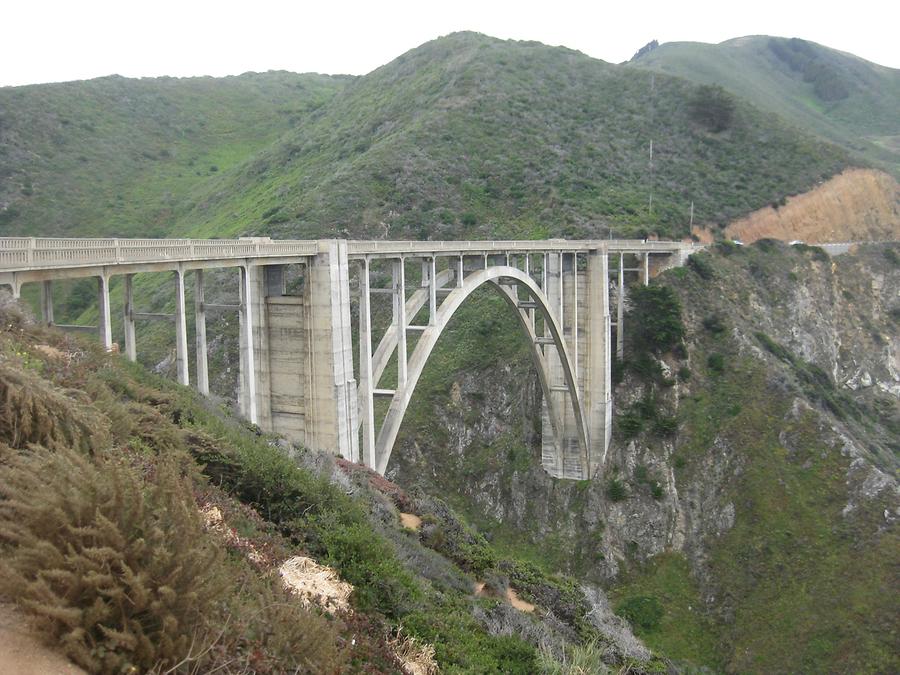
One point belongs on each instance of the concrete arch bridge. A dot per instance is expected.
(298, 376)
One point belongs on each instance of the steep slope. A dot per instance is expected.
(856, 205)
(143, 529)
(841, 97)
(747, 515)
(116, 156)
(464, 136)
(472, 136)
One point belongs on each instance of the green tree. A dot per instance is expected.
(712, 107)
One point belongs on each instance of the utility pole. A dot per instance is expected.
(651, 177)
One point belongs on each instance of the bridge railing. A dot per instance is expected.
(27, 253)
(24, 253)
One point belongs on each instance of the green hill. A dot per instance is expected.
(841, 97)
(464, 136)
(472, 136)
(116, 156)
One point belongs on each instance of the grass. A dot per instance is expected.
(681, 630)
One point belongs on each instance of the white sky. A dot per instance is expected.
(51, 41)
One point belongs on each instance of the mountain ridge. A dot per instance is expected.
(466, 135)
(837, 95)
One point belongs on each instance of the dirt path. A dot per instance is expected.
(22, 652)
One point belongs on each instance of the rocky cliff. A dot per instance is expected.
(751, 489)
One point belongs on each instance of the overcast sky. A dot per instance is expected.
(51, 41)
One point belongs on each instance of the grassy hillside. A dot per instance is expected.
(838, 96)
(116, 156)
(464, 136)
(472, 136)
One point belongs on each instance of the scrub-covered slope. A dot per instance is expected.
(470, 136)
(116, 156)
(747, 517)
(465, 136)
(839, 96)
(146, 531)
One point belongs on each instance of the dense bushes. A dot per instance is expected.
(657, 314)
(642, 611)
(115, 565)
(712, 107)
(119, 575)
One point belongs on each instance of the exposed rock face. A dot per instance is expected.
(837, 314)
(856, 205)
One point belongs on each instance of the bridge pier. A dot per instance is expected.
(200, 334)
(333, 395)
(128, 318)
(181, 354)
(105, 321)
(47, 302)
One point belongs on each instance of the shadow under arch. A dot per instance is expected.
(507, 281)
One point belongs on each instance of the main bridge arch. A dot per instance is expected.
(508, 281)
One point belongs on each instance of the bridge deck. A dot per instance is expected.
(19, 254)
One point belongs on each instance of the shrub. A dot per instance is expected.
(369, 564)
(641, 473)
(774, 348)
(630, 424)
(700, 263)
(712, 107)
(656, 490)
(657, 318)
(34, 412)
(117, 574)
(716, 363)
(468, 219)
(615, 490)
(714, 324)
(892, 256)
(684, 373)
(642, 611)
(665, 426)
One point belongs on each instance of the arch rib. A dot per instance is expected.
(402, 396)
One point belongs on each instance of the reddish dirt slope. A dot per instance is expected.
(857, 205)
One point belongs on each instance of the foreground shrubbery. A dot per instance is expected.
(103, 467)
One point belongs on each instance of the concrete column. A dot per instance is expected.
(128, 310)
(366, 383)
(562, 297)
(432, 292)
(620, 310)
(332, 408)
(575, 315)
(181, 353)
(200, 333)
(553, 446)
(460, 273)
(399, 311)
(598, 375)
(646, 269)
(47, 302)
(105, 322)
(248, 362)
